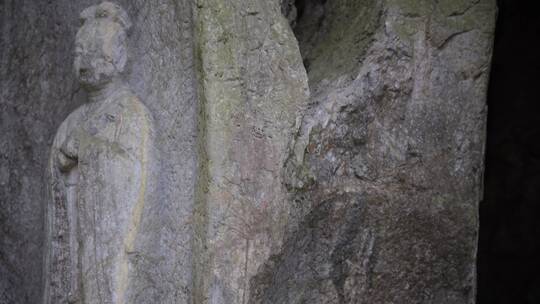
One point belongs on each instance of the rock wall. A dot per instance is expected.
(363, 188)
(38, 91)
(386, 173)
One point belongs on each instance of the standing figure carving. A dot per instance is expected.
(100, 163)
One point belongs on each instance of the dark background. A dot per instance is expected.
(509, 249)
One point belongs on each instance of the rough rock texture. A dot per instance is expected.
(362, 189)
(39, 90)
(387, 167)
(252, 89)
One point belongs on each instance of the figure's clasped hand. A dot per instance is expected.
(67, 156)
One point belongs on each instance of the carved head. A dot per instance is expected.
(101, 44)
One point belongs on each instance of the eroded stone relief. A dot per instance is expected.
(99, 168)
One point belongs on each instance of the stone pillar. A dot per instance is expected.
(252, 89)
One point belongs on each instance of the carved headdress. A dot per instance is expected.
(109, 11)
(103, 33)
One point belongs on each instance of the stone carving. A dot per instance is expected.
(99, 168)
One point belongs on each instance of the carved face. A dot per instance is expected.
(100, 52)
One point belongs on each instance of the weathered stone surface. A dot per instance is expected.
(252, 89)
(387, 170)
(101, 174)
(365, 191)
(36, 95)
(39, 91)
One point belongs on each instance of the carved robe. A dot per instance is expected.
(99, 171)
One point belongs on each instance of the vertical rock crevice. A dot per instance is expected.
(509, 251)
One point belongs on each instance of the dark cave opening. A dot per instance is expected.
(509, 246)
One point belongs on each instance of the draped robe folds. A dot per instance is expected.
(99, 170)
